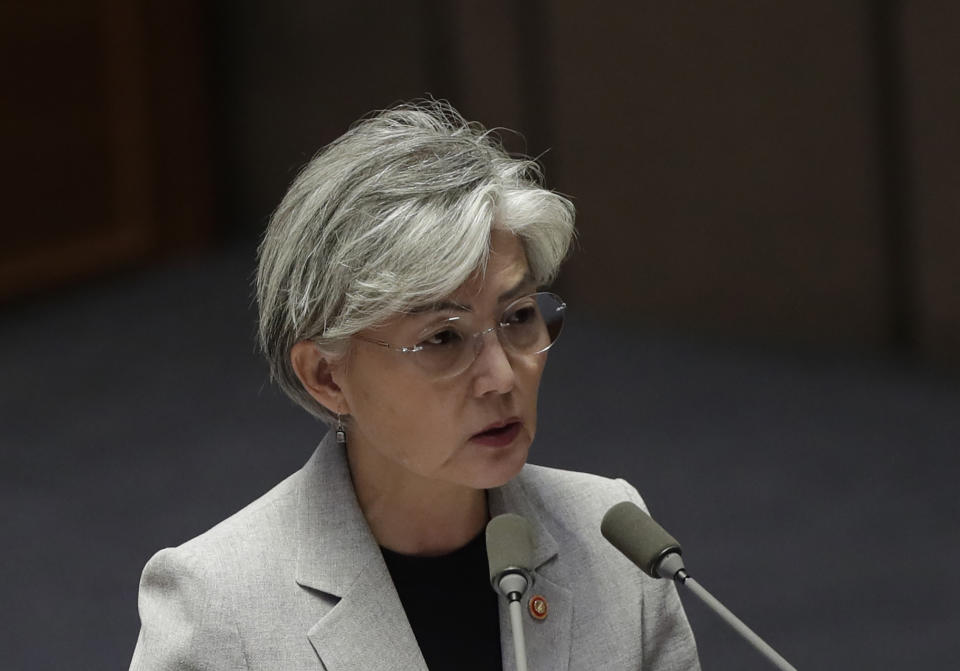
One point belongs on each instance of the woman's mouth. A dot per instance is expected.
(500, 436)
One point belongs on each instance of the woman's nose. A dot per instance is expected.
(492, 369)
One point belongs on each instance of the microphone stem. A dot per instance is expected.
(762, 646)
(516, 626)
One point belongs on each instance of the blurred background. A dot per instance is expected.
(764, 299)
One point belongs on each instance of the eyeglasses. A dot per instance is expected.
(529, 325)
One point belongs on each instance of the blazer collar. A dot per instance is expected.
(334, 542)
(367, 627)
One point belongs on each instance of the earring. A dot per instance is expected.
(341, 433)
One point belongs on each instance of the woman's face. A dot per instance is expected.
(406, 423)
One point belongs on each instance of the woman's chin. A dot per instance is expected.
(502, 465)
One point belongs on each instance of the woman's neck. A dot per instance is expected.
(411, 514)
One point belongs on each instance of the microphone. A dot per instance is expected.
(510, 559)
(657, 553)
(646, 543)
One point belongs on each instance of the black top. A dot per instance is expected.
(451, 606)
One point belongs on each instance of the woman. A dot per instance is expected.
(398, 293)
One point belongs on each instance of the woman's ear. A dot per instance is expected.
(315, 370)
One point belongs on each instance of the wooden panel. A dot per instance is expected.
(933, 77)
(177, 110)
(94, 156)
(490, 72)
(723, 159)
(75, 137)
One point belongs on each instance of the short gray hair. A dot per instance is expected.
(394, 214)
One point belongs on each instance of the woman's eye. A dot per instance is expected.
(520, 315)
(441, 338)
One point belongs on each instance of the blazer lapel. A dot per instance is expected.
(366, 628)
(548, 640)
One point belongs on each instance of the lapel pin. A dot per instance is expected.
(538, 607)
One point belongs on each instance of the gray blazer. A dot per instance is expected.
(296, 581)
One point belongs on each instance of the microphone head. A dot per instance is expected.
(509, 546)
(636, 535)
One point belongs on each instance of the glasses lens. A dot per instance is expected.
(533, 323)
(445, 349)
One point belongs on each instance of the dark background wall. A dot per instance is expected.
(766, 298)
(784, 173)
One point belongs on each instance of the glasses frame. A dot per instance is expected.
(477, 337)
